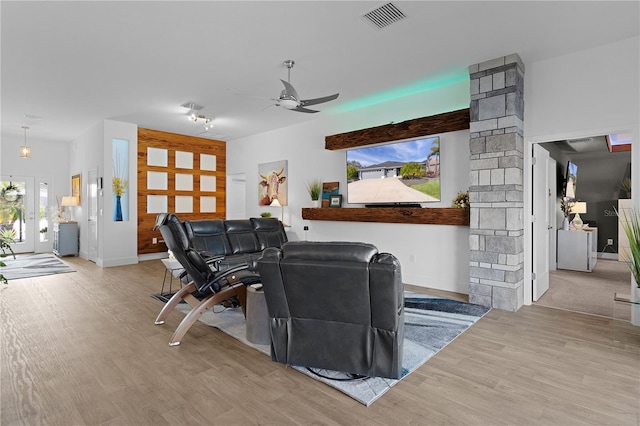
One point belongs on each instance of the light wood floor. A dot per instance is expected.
(82, 349)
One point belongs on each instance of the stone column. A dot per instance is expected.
(496, 237)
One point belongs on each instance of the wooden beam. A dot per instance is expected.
(425, 126)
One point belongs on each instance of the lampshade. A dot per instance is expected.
(25, 150)
(69, 201)
(578, 207)
(275, 203)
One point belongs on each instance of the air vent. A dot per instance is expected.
(384, 15)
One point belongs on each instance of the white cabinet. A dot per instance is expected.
(578, 250)
(624, 208)
(65, 238)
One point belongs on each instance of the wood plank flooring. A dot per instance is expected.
(82, 349)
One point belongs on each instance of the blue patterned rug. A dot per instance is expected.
(33, 265)
(431, 323)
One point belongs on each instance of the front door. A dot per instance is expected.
(18, 221)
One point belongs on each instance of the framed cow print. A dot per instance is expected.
(273, 183)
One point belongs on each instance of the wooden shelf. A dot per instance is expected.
(430, 216)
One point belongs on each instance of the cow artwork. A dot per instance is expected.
(272, 183)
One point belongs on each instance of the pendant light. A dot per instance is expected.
(25, 150)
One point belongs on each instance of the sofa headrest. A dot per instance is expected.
(205, 227)
(238, 225)
(265, 224)
(343, 251)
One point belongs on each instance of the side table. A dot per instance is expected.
(174, 269)
(257, 316)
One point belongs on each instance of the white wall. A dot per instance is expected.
(120, 242)
(441, 253)
(584, 91)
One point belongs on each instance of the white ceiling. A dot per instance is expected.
(76, 63)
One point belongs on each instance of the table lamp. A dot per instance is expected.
(69, 201)
(577, 208)
(276, 203)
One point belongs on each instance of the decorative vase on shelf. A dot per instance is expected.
(565, 224)
(118, 209)
(315, 203)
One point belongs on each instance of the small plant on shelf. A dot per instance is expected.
(462, 200)
(315, 189)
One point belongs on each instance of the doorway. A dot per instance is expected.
(24, 213)
(601, 170)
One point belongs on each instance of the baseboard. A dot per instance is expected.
(610, 256)
(153, 256)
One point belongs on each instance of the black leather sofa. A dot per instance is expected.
(238, 240)
(336, 306)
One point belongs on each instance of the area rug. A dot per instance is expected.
(33, 265)
(431, 323)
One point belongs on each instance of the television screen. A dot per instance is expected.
(571, 180)
(405, 172)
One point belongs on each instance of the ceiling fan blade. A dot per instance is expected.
(318, 100)
(301, 109)
(290, 91)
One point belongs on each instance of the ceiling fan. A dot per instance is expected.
(289, 98)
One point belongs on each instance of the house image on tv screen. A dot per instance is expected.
(395, 173)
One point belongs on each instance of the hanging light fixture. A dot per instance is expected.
(25, 150)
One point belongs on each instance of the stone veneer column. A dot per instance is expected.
(496, 189)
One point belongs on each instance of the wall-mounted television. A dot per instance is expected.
(570, 181)
(395, 174)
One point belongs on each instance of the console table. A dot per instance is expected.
(65, 239)
(578, 249)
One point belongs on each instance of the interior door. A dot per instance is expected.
(92, 215)
(541, 198)
(236, 196)
(17, 213)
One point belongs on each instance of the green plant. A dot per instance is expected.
(4, 248)
(626, 186)
(462, 200)
(565, 206)
(631, 225)
(315, 189)
(265, 214)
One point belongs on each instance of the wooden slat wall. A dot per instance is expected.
(432, 125)
(174, 142)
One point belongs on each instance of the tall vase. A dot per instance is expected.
(118, 209)
(565, 224)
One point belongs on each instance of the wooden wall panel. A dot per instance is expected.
(174, 142)
(424, 126)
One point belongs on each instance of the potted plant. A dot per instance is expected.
(630, 223)
(565, 206)
(314, 188)
(5, 247)
(626, 186)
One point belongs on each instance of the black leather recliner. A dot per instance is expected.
(208, 286)
(336, 306)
